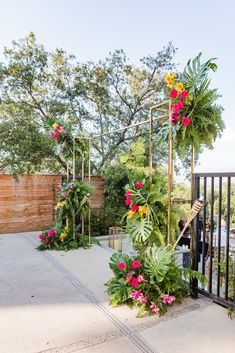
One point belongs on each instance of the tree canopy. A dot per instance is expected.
(97, 96)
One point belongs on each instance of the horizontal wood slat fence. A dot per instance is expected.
(28, 204)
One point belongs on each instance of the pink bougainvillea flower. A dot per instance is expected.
(131, 267)
(121, 266)
(174, 93)
(134, 207)
(136, 264)
(135, 294)
(46, 241)
(184, 94)
(51, 233)
(142, 299)
(167, 299)
(128, 278)
(40, 236)
(186, 121)
(134, 282)
(154, 308)
(128, 201)
(51, 133)
(139, 184)
(141, 279)
(181, 104)
(128, 193)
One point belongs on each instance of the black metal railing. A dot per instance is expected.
(214, 236)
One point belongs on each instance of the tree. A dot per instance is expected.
(36, 84)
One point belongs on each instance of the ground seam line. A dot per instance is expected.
(139, 341)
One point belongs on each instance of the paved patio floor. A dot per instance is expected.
(55, 302)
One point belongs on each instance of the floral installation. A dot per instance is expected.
(150, 284)
(72, 202)
(180, 97)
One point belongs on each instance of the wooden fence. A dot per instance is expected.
(29, 203)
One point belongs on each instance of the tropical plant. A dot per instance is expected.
(73, 201)
(147, 221)
(202, 108)
(150, 282)
(64, 239)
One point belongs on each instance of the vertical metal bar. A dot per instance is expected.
(89, 179)
(219, 236)
(67, 172)
(151, 145)
(82, 218)
(204, 225)
(194, 240)
(169, 173)
(192, 172)
(74, 161)
(74, 177)
(211, 235)
(227, 238)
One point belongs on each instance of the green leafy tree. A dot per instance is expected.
(36, 84)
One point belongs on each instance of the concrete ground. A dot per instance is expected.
(55, 302)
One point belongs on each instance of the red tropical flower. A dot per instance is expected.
(186, 121)
(134, 207)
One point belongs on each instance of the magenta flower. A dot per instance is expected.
(128, 201)
(154, 308)
(184, 94)
(40, 236)
(174, 93)
(136, 264)
(186, 121)
(139, 184)
(51, 233)
(51, 134)
(134, 282)
(175, 118)
(121, 266)
(46, 241)
(134, 207)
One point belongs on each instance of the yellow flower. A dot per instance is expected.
(179, 86)
(142, 210)
(60, 204)
(55, 126)
(130, 214)
(173, 75)
(170, 83)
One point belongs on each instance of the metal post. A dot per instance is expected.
(169, 173)
(89, 179)
(151, 145)
(82, 218)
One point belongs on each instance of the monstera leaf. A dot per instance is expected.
(139, 229)
(115, 259)
(157, 262)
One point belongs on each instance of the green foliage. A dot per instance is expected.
(36, 85)
(150, 228)
(202, 108)
(157, 262)
(150, 282)
(73, 200)
(64, 244)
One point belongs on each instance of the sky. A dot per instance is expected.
(90, 29)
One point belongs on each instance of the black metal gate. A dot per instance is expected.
(214, 236)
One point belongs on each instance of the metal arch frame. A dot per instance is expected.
(157, 107)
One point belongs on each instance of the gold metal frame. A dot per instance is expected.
(170, 200)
